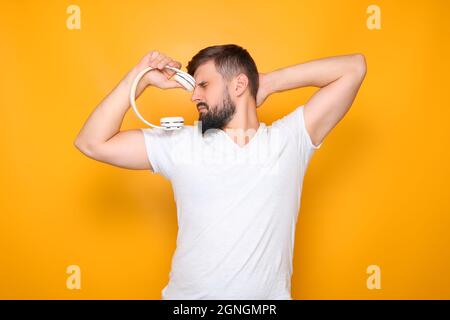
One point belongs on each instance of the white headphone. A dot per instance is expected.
(167, 123)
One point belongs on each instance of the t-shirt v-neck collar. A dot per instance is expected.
(261, 127)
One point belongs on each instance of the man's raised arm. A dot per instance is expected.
(339, 79)
(101, 139)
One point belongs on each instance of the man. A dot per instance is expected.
(237, 182)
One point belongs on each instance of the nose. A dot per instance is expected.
(194, 96)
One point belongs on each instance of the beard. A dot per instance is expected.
(218, 117)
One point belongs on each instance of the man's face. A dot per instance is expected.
(214, 103)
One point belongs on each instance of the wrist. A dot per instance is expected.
(129, 78)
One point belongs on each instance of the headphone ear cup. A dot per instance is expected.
(172, 123)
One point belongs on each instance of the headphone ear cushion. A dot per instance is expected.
(183, 82)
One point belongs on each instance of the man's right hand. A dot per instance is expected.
(160, 76)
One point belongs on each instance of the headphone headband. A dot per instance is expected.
(167, 123)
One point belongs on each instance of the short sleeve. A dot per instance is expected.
(159, 145)
(294, 124)
(305, 135)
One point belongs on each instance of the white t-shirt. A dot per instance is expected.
(237, 207)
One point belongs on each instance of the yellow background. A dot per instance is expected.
(377, 192)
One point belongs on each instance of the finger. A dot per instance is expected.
(153, 55)
(145, 60)
(170, 71)
(157, 60)
(175, 64)
(149, 57)
(163, 63)
(162, 67)
(172, 64)
(154, 62)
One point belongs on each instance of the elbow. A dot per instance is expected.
(84, 148)
(359, 65)
(77, 143)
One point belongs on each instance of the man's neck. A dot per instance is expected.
(243, 126)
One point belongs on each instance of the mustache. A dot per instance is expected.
(202, 104)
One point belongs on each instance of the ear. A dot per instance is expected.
(241, 83)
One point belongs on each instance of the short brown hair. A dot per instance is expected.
(229, 60)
